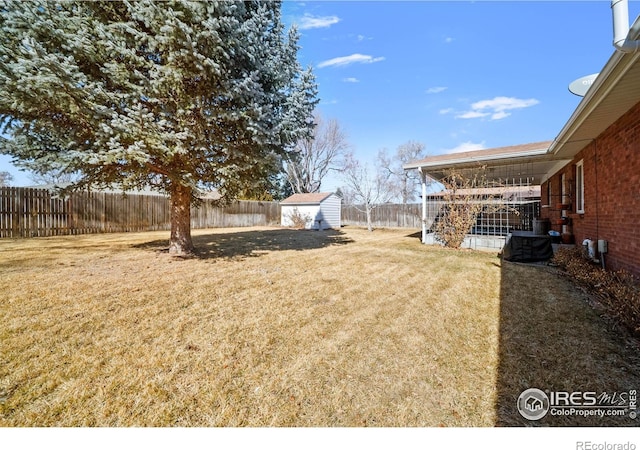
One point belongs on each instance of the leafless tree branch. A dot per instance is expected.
(366, 189)
(317, 156)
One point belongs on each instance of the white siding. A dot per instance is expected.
(308, 211)
(330, 212)
(326, 213)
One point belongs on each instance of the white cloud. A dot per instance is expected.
(308, 21)
(345, 60)
(448, 40)
(446, 111)
(436, 90)
(498, 107)
(466, 147)
(362, 38)
(499, 115)
(351, 80)
(471, 115)
(504, 103)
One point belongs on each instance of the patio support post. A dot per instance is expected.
(423, 182)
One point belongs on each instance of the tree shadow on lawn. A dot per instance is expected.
(552, 338)
(255, 243)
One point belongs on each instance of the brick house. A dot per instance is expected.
(601, 188)
(600, 185)
(590, 173)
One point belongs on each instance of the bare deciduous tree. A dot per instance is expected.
(5, 178)
(53, 176)
(404, 184)
(366, 188)
(466, 196)
(313, 158)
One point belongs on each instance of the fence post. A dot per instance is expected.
(17, 212)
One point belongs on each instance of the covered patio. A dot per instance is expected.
(511, 178)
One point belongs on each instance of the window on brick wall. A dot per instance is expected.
(580, 187)
(549, 198)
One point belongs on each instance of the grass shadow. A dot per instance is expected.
(551, 338)
(243, 244)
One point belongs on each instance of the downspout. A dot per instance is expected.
(621, 41)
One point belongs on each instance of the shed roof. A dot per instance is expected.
(306, 199)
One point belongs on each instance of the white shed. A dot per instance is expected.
(317, 211)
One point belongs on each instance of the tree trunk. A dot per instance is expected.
(180, 243)
(369, 224)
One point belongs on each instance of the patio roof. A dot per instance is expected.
(615, 90)
(505, 163)
(504, 193)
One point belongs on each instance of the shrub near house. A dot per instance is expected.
(618, 291)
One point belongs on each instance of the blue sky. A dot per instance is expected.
(454, 75)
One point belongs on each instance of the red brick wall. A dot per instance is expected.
(612, 192)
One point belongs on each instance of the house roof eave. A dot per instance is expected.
(614, 91)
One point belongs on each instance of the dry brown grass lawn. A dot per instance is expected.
(271, 327)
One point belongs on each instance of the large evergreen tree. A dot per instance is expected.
(179, 96)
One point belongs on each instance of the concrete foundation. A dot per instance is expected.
(474, 242)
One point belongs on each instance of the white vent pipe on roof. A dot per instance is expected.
(621, 42)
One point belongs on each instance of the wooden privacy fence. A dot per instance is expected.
(27, 212)
(387, 215)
